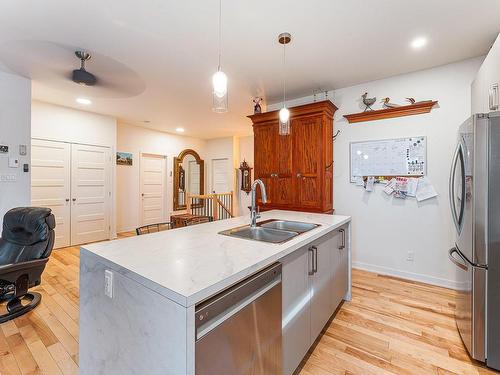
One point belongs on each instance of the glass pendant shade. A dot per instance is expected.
(284, 115)
(219, 82)
(219, 96)
(219, 104)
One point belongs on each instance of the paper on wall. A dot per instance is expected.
(411, 187)
(370, 182)
(425, 190)
(389, 188)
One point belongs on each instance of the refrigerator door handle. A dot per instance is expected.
(462, 264)
(458, 155)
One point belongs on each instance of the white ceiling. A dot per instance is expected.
(157, 56)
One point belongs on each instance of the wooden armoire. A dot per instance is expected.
(297, 169)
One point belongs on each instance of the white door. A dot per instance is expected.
(220, 176)
(50, 184)
(90, 194)
(152, 189)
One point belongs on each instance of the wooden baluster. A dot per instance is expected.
(215, 214)
(187, 198)
(231, 199)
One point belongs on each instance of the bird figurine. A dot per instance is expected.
(368, 102)
(387, 104)
(413, 101)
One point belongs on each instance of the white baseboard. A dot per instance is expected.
(126, 230)
(452, 284)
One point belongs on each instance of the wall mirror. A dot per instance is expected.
(189, 177)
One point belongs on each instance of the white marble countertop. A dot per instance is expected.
(189, 264)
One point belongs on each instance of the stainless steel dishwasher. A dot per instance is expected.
(238, 332)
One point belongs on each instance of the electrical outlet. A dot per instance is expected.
(410, 257)
(108, 283)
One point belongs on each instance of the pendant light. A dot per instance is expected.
(284, 114)
(219, 79)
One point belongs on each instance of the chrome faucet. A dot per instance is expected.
(254, 214)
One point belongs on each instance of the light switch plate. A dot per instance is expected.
(108, 283)
(22, 150)
(13, 162)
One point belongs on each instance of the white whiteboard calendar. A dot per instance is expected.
(389, 157)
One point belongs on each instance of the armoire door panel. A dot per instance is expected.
(307, 145)
(51, 184)
(283, 191)
(283, 182)
(265, 147)
(265, 158)
(328, 155)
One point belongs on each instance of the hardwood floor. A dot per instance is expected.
(391, 326)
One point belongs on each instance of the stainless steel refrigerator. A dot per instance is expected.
(475, 206)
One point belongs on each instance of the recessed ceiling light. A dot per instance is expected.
(179, 130)
(83, 101)
(419, 42)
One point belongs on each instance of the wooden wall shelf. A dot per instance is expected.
(404, 110)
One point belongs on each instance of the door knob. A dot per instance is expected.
(299, 175)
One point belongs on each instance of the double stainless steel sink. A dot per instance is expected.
(273, 230)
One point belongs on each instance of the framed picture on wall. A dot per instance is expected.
(124, 158)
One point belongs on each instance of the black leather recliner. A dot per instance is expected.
(26, 243)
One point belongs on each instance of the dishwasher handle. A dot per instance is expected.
(215, 311)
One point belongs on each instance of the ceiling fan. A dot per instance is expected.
(81, 76)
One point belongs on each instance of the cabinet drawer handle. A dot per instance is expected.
(315, 259)
(311, 265)
(342, 245)
(299, 175)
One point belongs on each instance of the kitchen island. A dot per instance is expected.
(138, 295)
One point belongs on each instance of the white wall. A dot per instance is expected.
(57, 123)
(139, 140)
(245, 153)
(15, 104)
(384, 228)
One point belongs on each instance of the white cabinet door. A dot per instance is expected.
(296, 308)
(485, 88)
(493, 76)
(152, 189)
(340, 270)
(50, 184)
(91, 194)
(479, 94)
(321, 286)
